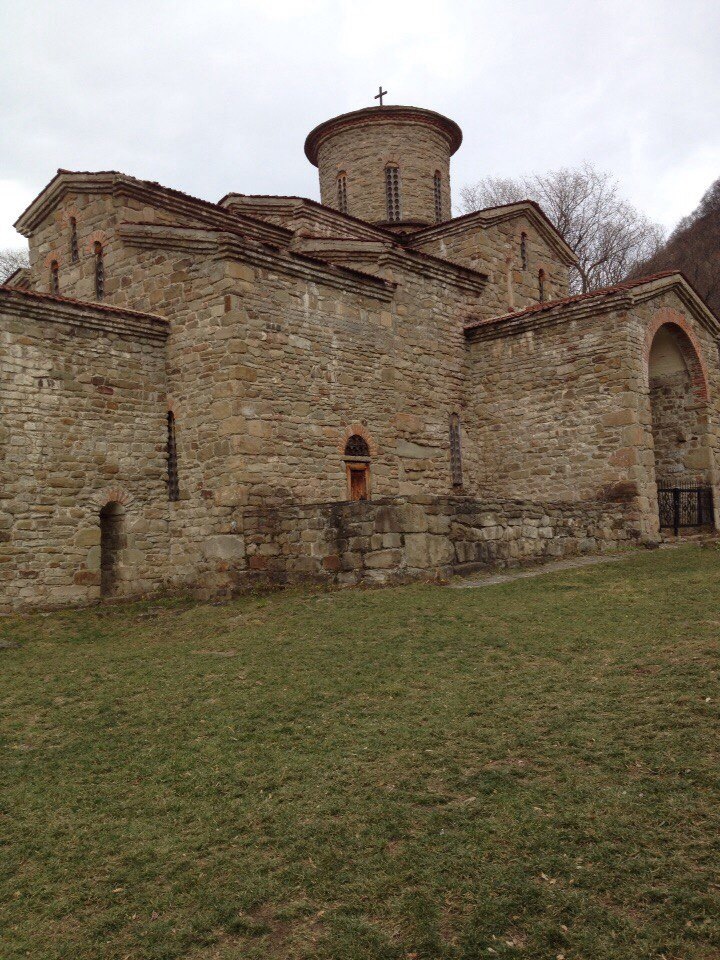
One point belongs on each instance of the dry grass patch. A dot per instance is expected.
(522, 771)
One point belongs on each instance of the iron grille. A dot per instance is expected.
(437, 191)
(685, 506)
(392, 192)
(342, 193)
(357, 446)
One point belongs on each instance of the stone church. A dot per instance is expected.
(206, 396)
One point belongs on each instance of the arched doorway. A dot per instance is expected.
(680, 429)
(112, 543)
(357, 464)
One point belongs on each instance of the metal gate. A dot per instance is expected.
(685, 507)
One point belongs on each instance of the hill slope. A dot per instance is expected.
(694, 248)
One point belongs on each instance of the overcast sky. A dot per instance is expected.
(216, 95)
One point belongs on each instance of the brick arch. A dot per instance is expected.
(97, 236)
(689, 347)
(53, 255)
(113, 495)
(361, 430)
(64, 216)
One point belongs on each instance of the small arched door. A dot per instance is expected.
(357, 463)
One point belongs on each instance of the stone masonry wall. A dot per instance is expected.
(552, 410)
(82, 423)
(679, 431)
(98, 217)
(702, 403)
(270, 372)
(402, 539)
(363, 152)
(495, 250)
(562, 408)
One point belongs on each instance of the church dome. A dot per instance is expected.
(389, 165)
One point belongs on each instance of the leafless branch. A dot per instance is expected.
(607, 233)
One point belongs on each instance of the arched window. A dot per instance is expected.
(523, 251)
(357, 446)
(437, 191)
(99, 271)
(357, 464)
(342, 193)
(541, 285)
(392, 192)
(74, 251)
(55, 278)
(455, 453)
(172, 466)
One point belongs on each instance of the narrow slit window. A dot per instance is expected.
(342, 193)
(74, 249)
(99, 271)
(55, 278)
(455, 452)
(437, 190)
(392, 192)
(541, 285)
(523, 251)
(172, 464)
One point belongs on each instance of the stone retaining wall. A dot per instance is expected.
(402, 539)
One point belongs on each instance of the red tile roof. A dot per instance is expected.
(547, 305)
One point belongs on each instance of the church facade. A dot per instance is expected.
(206, 396)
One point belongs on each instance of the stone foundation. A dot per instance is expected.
(396, 540)
(375, 542)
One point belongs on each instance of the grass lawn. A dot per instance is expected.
(527, 770)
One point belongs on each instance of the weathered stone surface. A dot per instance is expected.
(225, 547)
(425, 550)
(275, 329)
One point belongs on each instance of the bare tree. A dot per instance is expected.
(694, 248)
(10, 260)
(609, 236)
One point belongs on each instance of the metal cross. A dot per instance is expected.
(380, 94)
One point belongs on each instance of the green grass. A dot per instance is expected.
(522, 771)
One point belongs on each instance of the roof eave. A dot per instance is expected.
(505, 212)
(600, 302)
(54, 191)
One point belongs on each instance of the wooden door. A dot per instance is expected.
(359, 482)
